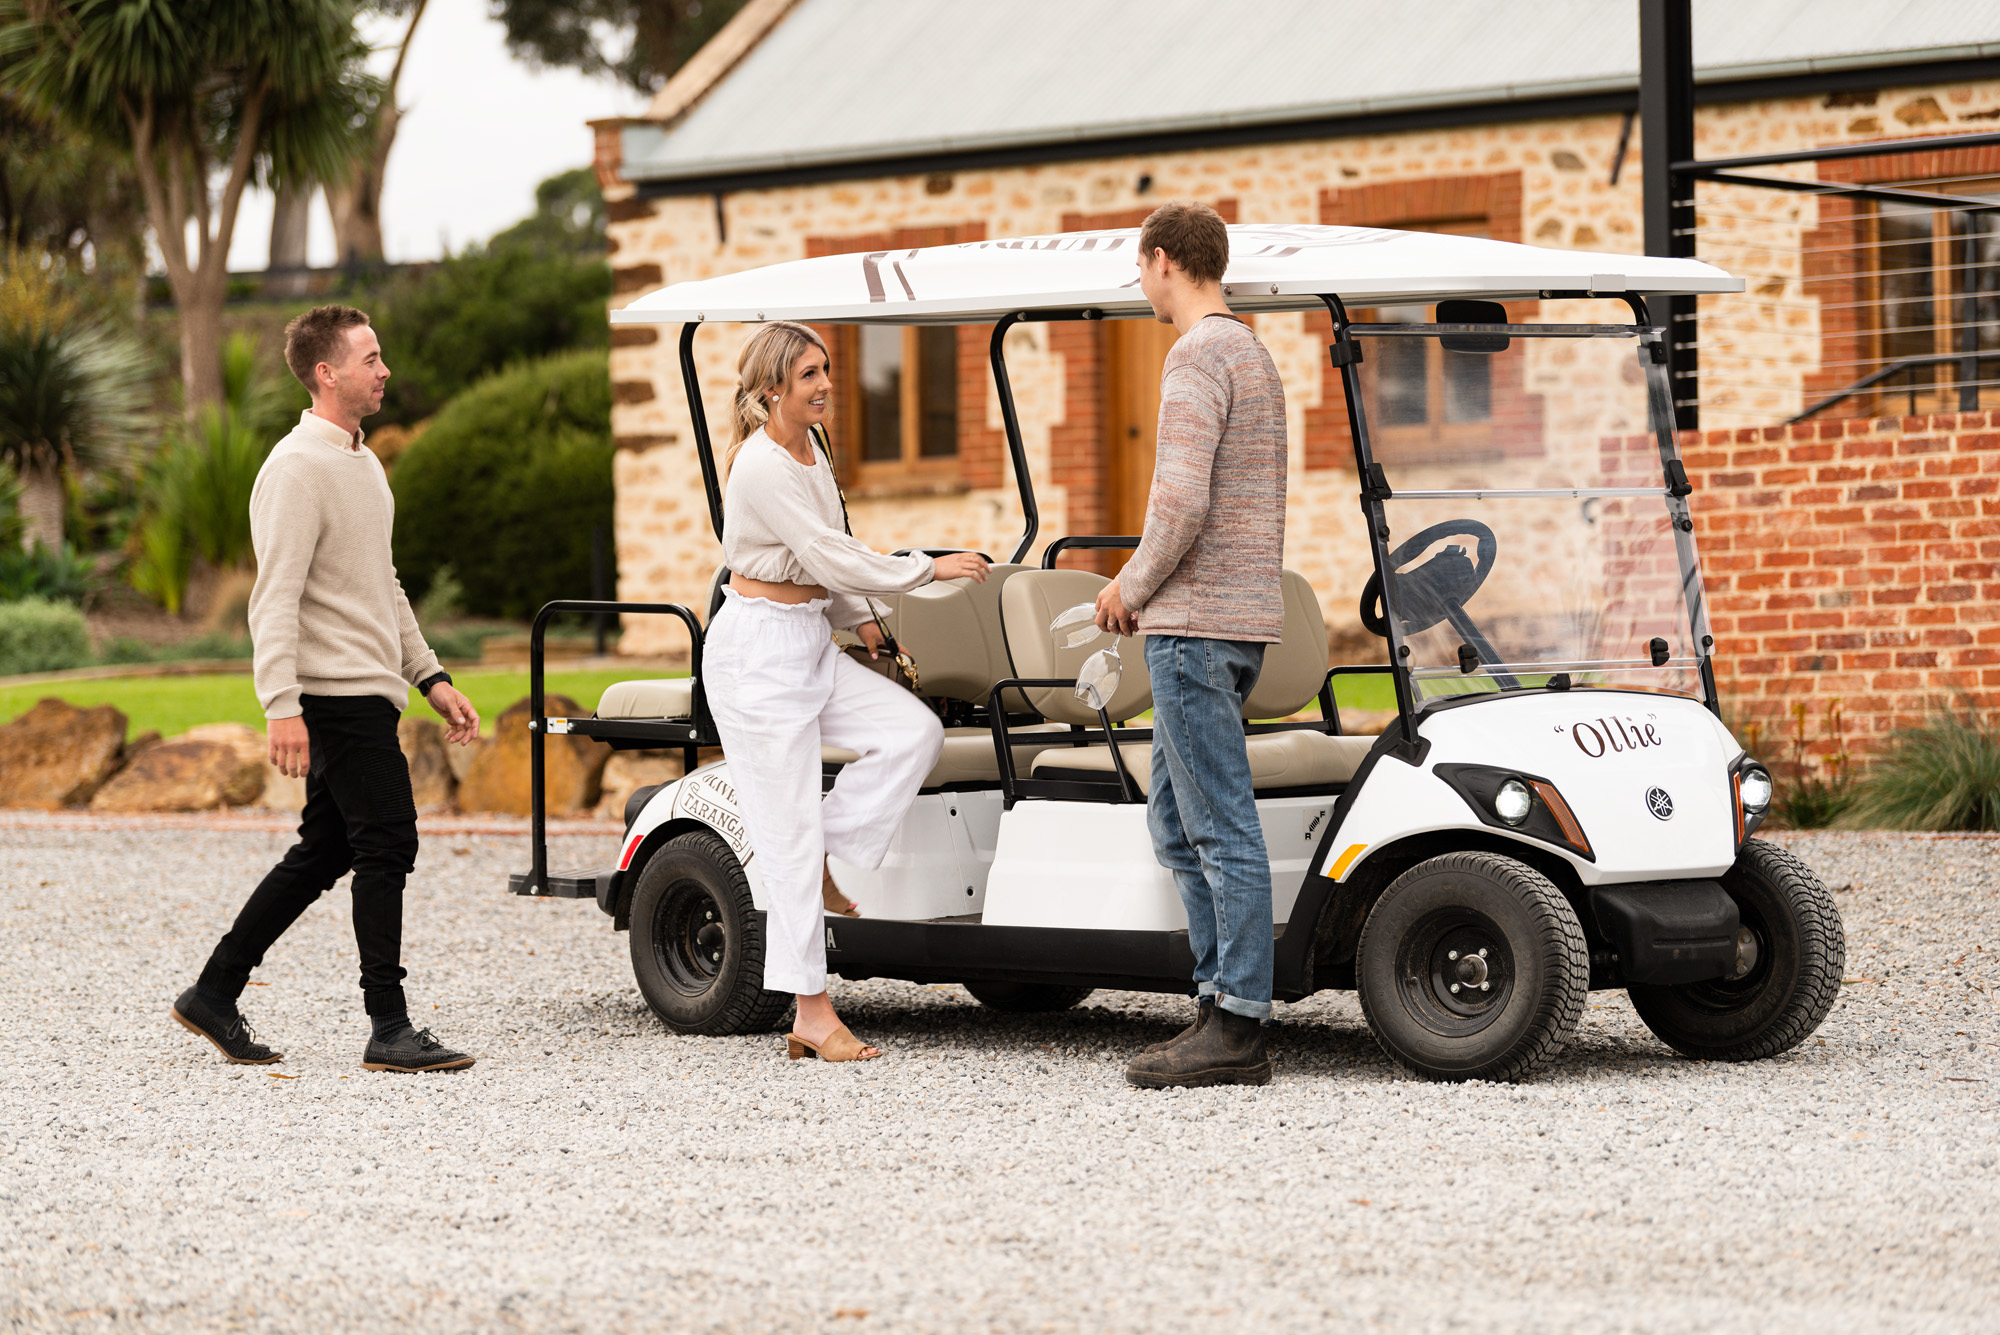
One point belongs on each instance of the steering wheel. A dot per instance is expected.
(1427, 595)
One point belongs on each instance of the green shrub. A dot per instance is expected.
(480, 312)
(1943, 774)
(61, 576)
(464, 642)
(126, 649)
(506, 486)
(37, 635)
(198, 502)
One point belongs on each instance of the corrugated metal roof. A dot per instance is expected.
(852, 81)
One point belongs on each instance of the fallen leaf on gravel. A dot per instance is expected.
(275, 1076)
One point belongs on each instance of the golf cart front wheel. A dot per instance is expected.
(698, 944)
(1026, 998)
(1790, 958)
(1472, 966)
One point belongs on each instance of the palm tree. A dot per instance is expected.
(72, 393)
(199, 92)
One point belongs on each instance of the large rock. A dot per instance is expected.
(497, 779)
(629, 771)
(432, 781)
(281, 791)
(56, 755)
(214, 765)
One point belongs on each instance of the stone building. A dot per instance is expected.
(813, 127)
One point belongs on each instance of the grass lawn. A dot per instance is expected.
(172, 705)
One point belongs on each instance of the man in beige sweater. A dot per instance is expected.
(1204, 587)
(337, 650)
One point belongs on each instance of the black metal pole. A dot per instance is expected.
(599, 582)
(538, 815)
(1030, 515)
(1666, 118)
(711, 480)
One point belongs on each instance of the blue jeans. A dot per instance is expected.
(1203, 816)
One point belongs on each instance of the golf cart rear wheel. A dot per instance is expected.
(1472, 966)
(1026, 998)
(698, 944)
(1792, 963)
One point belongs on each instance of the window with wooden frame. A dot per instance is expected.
(898, 401)
(1936, 303)
(1425, 403)
(896, 416)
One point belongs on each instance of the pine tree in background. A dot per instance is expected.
(657, 36)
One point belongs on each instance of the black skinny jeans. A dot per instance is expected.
(360, 816)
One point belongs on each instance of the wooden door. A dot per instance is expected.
(1134, 352)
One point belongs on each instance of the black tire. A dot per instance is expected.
(1536, 965)
(1026, 998)
(698, 943)
(1801, 951)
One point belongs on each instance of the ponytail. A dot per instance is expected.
(764, 365)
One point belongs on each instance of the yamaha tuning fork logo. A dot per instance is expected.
(1659, 803)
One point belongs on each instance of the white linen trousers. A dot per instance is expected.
(779, 688)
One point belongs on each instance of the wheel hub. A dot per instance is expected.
(690, 938)
(1467, 970)
(1748, 952)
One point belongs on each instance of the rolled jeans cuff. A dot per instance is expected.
(1249, 1010)
(1206, 989)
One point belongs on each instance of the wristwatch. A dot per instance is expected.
(424, 686)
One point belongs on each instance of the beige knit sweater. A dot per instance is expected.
(1208, 563)
(327, 615)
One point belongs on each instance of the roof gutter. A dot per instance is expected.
(1518, 102)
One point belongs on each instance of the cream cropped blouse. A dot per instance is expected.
(781, 523)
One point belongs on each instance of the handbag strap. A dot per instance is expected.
(820, 438)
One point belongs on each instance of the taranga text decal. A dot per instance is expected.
(708, 796)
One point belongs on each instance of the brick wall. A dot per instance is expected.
(1853, 564)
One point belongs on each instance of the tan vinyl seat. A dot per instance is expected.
(1030, 601)
(969, 757)
(952, 631)
(658, 698)
(1294, 669)
(1297, 759)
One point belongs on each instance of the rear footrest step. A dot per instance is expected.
(568, 884)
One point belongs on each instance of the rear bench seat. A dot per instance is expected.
(952, 630)
(1294, 669)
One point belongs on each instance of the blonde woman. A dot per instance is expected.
(779, 688)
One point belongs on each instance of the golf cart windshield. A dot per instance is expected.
(1533, 539)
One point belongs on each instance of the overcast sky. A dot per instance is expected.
(479, 131)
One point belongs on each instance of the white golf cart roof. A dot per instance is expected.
(1272, 267)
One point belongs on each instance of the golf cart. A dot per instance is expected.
(1554, 807)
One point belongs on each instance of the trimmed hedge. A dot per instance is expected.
(37, 635)
(506, 485)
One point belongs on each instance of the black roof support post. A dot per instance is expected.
(1666, 120)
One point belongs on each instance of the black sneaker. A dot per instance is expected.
(230, 1033)
(416, 1051)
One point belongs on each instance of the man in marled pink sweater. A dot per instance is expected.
(1205, 588)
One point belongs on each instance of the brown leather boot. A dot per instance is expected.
(1202, 1008)
(1228, 1050)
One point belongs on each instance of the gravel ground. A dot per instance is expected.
(594, 1172)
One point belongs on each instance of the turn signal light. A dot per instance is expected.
(1566, 820)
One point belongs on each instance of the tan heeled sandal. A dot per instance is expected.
(836, 903)
(839, 1046)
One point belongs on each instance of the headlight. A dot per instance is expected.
(1513, 802)
(1756, 791)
